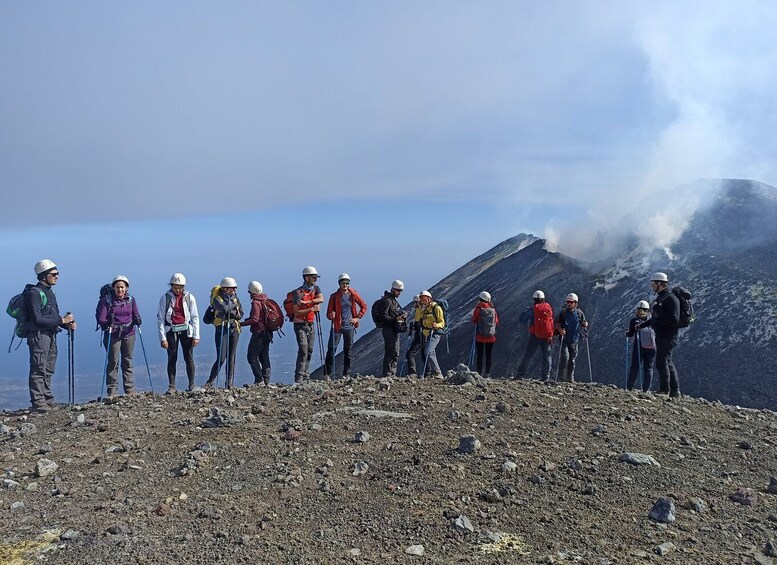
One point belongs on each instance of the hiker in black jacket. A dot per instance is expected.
(393, 318)
(665, 317)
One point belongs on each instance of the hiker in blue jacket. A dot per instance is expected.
(569, 323)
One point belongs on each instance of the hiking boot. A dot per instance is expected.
(437, 376)
(208, 385)
(674, 394)
(41, 408)
(170, 389)
(487, 376)
(51, 402)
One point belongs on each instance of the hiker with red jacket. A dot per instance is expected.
(540, 320)
(345, 308)
(261, 336)
(486, 320)
(306, 303)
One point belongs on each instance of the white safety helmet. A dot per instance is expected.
(572, 296)
(228, 282)
(44, 265)
(425, 293)
(485, 296)
(344, 277)
(398, 285)
(643, 305)
(659, 277)
(309, 270)
(255, 287)
(178, 278)
(121, 278)
(416, 298)
(539, 294)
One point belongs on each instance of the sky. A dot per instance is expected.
(386, 139)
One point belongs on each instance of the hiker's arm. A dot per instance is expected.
(137, 320)
(359, 301)
(160, 320)
(475, 315)
(439, 318)
(194, 319)
(330, 307)
(253, 317)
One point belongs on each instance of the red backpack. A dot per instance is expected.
(543, 321)
(273, 316)
(288, 304)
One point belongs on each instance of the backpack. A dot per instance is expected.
(687, 316)
(288, 305)
(273, 316)
(377, 312)
(543, 321)
(487, 322)
(210, 313)
(106, 295)
(16, 309)
(443, 304)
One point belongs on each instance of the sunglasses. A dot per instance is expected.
(54, 274)
(571, 302)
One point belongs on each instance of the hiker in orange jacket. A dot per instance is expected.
(345, 308)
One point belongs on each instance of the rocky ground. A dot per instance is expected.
(378, 471)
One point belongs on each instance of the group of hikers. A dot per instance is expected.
(654, 330)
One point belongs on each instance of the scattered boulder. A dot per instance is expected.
(638, 459)
(744, 496)
(45, 467)
(664, 548)
(361, 437)
(663, 511)
(463, 525)
(417, 550)
(772, 487)
(462, 375)
(468, 444)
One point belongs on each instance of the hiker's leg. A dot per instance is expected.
(662, 363)
(633, 368)
(254, 348)
(489, 354)
(434, 366)
(347, 346)
(112, 376)
(187, 346)
(546, 358)
(264, 355)
(480, 348)
(172, 356)
(127, 349)
(572, 347)
(301, 335)
(648, 357)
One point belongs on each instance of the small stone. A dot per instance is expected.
(463, 524)
(9, 484)
(70, 535)
(744, 496)
(772, 488)
(589, 490)
(162, 510)
(291, 435)
(355, 552)
(361, 437)
(638, 459)
(16, 506)
(664, 548)
(509, 467)
(468, 444)
(536, 479)
(454, 415)
(417, 550)
(360, 468)
(697, 505)
(45, 467)
(662, 511)
(745, 445)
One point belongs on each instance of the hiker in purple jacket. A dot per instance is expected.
(118, 315)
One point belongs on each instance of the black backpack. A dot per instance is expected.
(377, 312)
(687, 316)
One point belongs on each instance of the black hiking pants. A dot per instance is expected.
(646, 357)
(226, 347)
(187, 346)
(667, 374)
(259, 356)
(482, 348)
(413, 350)
(390, 352)
(334, 341)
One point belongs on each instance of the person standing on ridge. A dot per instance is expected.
(540, 320)
(227, 312)
(118, 315)
(569, 323)
(644, 350)
(432, 320)
(414, 337)
(392, 320)
(44, 323)
(345, 308)
(261, 336)
(307, 301)
(486, 320)
(178, 322)
(665, 317)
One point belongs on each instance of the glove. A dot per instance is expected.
(137, 321)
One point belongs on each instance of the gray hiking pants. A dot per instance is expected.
(430, 354)
(119, 349)
(566, 365)
(43, 358)
(532, 345)
(390, 351)
(306, 340)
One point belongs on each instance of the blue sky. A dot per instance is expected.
(386, 139)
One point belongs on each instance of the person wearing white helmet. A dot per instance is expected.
(539, 317)
(643, 351)
(392, 320)
(227, 312)
(414, 338)
(486, 320)
(261, 337)
(178, 322)
(432, 321)
(117, 316)
(664, 319)
(43, 323)
(571, 320)
(306, 303)
(345, 308)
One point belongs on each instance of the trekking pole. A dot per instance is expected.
(334, 351)
(471, 359)
(626, 362)
(404, 357)
(221, 353)
(70, 389)
(227, 355)
(143, 347)
(320, 337)
(428, 348)
(588, 352)
(560, 351)
(638, 341)
(105, 368)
